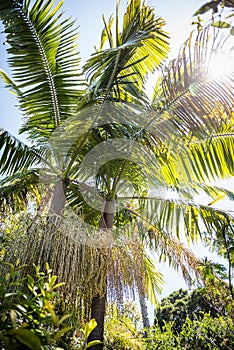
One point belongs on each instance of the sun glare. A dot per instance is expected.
(221, 65)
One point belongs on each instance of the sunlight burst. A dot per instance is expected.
(221, 64)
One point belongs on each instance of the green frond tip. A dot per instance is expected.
(44, 61)
(18, 190)
(10, 84)
(15, 155)
(119, 72)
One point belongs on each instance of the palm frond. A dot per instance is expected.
(44, 62)
(182, 218)
(10, 84)
(167, 248)
(188, 167)
(210, 160)
(154, 280)
(120, 71)
(16, 191)
(216, 193)
(131, 269)
(16, 156)
(189, 99)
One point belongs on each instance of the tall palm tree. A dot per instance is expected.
(58, 106)
(49, 92)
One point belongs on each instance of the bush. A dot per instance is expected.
(29, 314)
(208, 333)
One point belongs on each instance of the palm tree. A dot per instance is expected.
(49, 93)
(58, 106)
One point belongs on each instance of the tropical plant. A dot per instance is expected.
(222, 244)
(207, 333)
(122, 329)
(110, 135)
(58, 81)
(31, 315)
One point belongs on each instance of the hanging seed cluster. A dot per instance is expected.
(88, 262)
(126, 275)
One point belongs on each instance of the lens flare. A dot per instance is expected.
(222, 65)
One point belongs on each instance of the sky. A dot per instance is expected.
(178, 16)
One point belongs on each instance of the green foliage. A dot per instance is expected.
(45, 78)
(121, 328)
(180, 305)
(136, 49)
(161, 339)
(30, 317)
(197, 320)
(27, 310)
(222, 241)
(80, 338)
(46, 67)
(207, 333)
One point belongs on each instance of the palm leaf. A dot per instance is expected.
(154, 279)
(18, 190)
(210, 160)
(179, 216)
(44, 62)
(190, 100)
(10, 84)
(187, 168)
(168, 248)
(131, 269)
(16, 156)
(120, 71)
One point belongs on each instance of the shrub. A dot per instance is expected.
(30, 317)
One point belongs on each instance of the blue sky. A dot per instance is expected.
(178, 15)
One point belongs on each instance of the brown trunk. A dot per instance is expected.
(59, 198)
(98, 306)
(107, 217)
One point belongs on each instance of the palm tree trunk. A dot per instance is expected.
(144, 313)
(54, 219)
(98, 305)
(59, 198)
(143, 306)
(98, 308)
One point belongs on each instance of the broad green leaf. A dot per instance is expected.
(27, 338)
(52, 281)
(63, 318)
(61, 332)
(57, 285)
(13, 318)
(89, 327)
(30, 281)
(50, 308)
